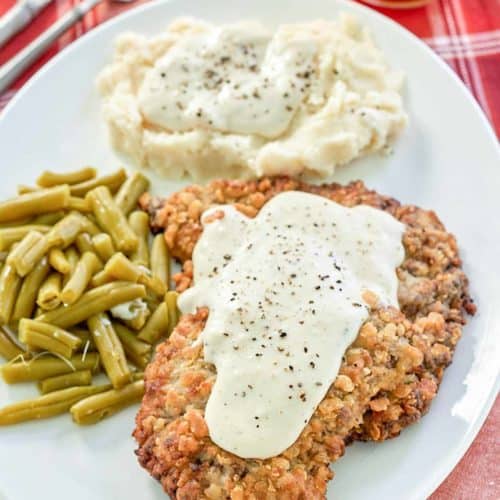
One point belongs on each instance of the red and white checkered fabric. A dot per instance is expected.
(466, 34)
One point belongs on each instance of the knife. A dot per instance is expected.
(18, 17)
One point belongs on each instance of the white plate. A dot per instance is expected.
(448, 159)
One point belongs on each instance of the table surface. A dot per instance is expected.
(466, 33)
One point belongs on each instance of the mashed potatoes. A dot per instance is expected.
(239, 101)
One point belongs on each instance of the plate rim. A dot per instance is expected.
(448, 462)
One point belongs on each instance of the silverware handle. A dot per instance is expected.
(13, 21)
(21, 61)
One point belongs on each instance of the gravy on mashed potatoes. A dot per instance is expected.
(239, 101)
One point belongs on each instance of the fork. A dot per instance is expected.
(21, 61)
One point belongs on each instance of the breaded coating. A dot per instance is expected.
(387, 380)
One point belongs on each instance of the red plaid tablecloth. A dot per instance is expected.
(466, 33)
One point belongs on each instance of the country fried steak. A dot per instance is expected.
(388, 378)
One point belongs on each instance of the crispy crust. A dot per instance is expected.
(387, 380)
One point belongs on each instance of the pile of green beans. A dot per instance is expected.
(84, 288)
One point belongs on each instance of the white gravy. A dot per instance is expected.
(284, 292)
(231, 79)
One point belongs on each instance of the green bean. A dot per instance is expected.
(16, 223)
(26, 299)
(111, 219)
(25, 245)
(119, 267)
(78, 204)
(72, 257)
(10, 283)
(156, 326)
(66, 230)
(49, 179)
(58, 260)
(160, 260)
(136, 350)
(18, 250)
(139, 320)
(139, 222)
(110, 349)
(23, 189)
(45, 367)
(48, 405)
(61, 235)
(90, 225)
(8, 349)
(84, 243)
(78, 378)
(91, 217)
(38, 342)
(152, 300)
(86, 337)
(103, 245)
(94, 408)
(67, 338)
(100, 278)
(10, 235)
(49, 294)
(38, 202)
(50, 219)
(43, 336)
(130, 192)
(46, 220)
(81, 332)
(112, 182)
(93, 302)
(87, 266)
(173, 311)
(29, 259)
